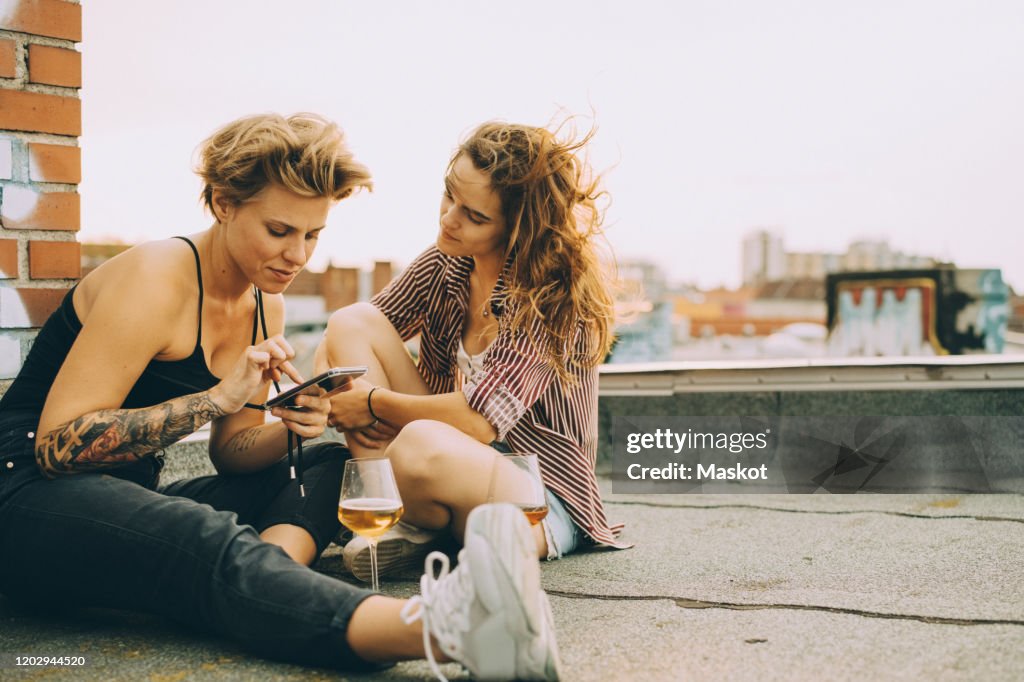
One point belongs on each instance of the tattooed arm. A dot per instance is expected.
(109, 438)
(132, 310)
(240, 441)
(136, 308)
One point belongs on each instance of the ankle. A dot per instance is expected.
(439, 655)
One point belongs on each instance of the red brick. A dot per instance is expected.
(8, 60)
(39, 304)
(52, 211)
(54, 259)
(40, 113)
(54, 66)
(54, 163)
(53, 18)
(8, 258)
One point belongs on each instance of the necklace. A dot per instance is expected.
(485, 309)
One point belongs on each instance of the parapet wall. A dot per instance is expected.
(962, 386)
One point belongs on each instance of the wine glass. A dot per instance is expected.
(369, 503)
(516, 478)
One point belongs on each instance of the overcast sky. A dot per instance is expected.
(828, 121)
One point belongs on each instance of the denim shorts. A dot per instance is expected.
(560, 531)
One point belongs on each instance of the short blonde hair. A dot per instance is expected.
(304, 153)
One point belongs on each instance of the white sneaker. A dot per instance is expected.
(403, 546)
(489, 614)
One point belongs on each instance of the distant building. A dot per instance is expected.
(868, 255)
(789, 300)
(1016, 322)
(811, 265)
(766, 260)
(763, 259)
(643, 330)
(751, 311)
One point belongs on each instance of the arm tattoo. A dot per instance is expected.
(107, 438)
(244, 440)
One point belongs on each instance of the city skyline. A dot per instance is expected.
(827, 123)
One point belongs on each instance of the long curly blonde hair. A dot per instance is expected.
(549, 201)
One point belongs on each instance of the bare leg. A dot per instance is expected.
(377, 633)
(443, 474)
(294, 540)
(360, 334)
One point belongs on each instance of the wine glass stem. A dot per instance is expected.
(375, 580)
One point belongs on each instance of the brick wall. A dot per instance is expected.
(40, 167)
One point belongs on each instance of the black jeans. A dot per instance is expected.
(186, 552)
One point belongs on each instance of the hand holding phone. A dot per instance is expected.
(324, 384)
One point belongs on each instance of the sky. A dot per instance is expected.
(826, 121)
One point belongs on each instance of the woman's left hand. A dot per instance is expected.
(308, 422)
(349, 410)
(350, 413)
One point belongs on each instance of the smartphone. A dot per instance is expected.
(328, 383)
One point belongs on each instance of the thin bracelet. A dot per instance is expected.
(369, 403)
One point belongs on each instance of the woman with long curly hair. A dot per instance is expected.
(514, 313)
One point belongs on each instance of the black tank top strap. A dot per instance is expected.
(199, 279)
(256, 315)
(263, 315)
(259, 320)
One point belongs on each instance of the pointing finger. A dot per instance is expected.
(290, 370)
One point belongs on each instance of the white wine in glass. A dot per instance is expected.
(534, 513)
(369, 503)
(369, 516)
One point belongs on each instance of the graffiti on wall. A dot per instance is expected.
(987, 313)
(917, 312)
(885, 317)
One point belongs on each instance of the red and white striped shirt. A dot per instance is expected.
(518, 391)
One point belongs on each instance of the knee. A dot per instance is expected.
(355, 318)
(415, 453)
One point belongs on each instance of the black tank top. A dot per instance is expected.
(160, 381)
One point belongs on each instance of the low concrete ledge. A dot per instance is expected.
(959, 372)
(962, 386)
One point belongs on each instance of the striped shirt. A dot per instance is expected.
(518, 391)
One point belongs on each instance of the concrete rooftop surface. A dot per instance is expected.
(738, 587)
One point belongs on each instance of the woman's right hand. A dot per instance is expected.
(265, 361)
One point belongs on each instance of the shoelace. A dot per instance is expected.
(443, 608)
